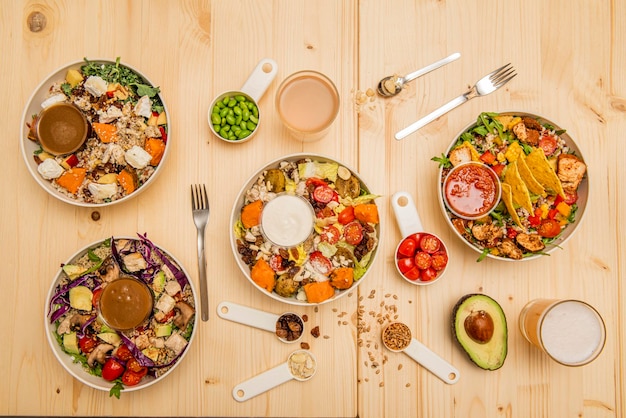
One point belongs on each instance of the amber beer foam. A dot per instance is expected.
(569, 331)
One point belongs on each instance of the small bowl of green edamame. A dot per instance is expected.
(234, 116)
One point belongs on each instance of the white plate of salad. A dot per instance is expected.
(127, 135)
(98, 355)
(544, 181)
(305, 229)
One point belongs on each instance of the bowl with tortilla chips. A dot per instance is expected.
(543, 178)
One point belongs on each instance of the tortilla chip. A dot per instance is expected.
(507, 197)
(531, 182)
(519, 191)
(543, 171)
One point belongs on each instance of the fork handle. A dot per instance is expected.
(204, 296)
(431, 116)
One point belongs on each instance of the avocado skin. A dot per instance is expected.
(498, 343)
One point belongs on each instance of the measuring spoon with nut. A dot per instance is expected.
(301, 366)
(396, 337)
(288, 327)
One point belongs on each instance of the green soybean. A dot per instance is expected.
(234, 117)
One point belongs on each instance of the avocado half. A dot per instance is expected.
(479, 326)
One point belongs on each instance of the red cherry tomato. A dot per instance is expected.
(321, 263)
(315, 181)
(430, 244)
(123, 353)
(130, 378)
(405, 264)
(330, 234)
(346, 216)
(323, 194)
(429, 274)
(571, 198)
(87, 344)
(423, 260)
(548, 144)
(353, 232)
(440, 260)
(134, 366)
(549, 228)
(112, 369)
(95, 299)
(413, 274)
(407, 247)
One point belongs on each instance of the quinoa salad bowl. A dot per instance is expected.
(305, 229)
(125, 141)
(543, 178)
(83, 314)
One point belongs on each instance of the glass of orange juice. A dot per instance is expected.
(307, 103)
(571, 332)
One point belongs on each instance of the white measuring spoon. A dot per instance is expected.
(301, 366)
(256, 318)
(424, 356)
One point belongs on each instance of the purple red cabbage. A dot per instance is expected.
(59, 312)
(139, 356)
(83, 328)
(178, 273)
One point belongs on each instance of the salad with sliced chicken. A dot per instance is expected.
(339, 250)
(126, 137)
(129, 358)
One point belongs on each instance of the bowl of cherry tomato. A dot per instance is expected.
(421, 258)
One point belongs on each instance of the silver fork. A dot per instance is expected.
(200, 210)
(488, 84)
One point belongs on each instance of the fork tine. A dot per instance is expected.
(206, 197)
(503, 75)
(194, 197)
(506, 80)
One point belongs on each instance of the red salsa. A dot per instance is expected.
(471, 190)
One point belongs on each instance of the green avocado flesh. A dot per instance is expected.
(479, 326)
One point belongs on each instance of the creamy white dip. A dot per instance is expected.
(287, 220)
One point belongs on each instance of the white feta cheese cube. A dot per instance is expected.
(110, 115)
(165, 303)
(56, 98)
(102, 191)
(176, 343)
(143, 107)
(50, 169)
(96, 86)
(172, 287)
(137, 157)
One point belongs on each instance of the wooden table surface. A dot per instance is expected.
(570, 60)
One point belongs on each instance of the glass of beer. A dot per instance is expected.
(307, 103)
(571, 332)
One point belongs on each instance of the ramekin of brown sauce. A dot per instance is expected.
(125, 303)
(61, 128)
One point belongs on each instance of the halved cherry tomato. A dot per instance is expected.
(123, 352)
(407, 247)
(130, 378)
(323, 194)
(511, 233)
(429, 274)
(330, 234)
(87, 343)
(423, 260)
(353, 232)
(413, 274)
(430, 243)
(405, 264)
(346, 216)
(95, 298)
(134, 366)
(439, 260)
(571, 198)
(549, 228)
(276, 262)
(112, 369)
(548, 144)
(321, 263)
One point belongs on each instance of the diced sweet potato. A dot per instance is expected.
(106, 132)
(263, 275)
(317, 292)
(72, 179)
(251, 214)
(156, 148)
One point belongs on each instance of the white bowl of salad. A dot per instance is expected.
(544, 182)
(127, 139)
(95, 353)
(305, 229)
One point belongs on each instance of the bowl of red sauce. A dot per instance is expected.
(471, 190)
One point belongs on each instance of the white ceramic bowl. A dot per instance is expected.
(28, 147)
(76, 369)
(236, 215)
(583, 193)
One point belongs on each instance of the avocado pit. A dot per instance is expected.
(479, 326)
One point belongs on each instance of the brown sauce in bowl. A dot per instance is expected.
(125, 303)
(61, 128)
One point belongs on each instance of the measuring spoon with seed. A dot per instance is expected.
(418, 352)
